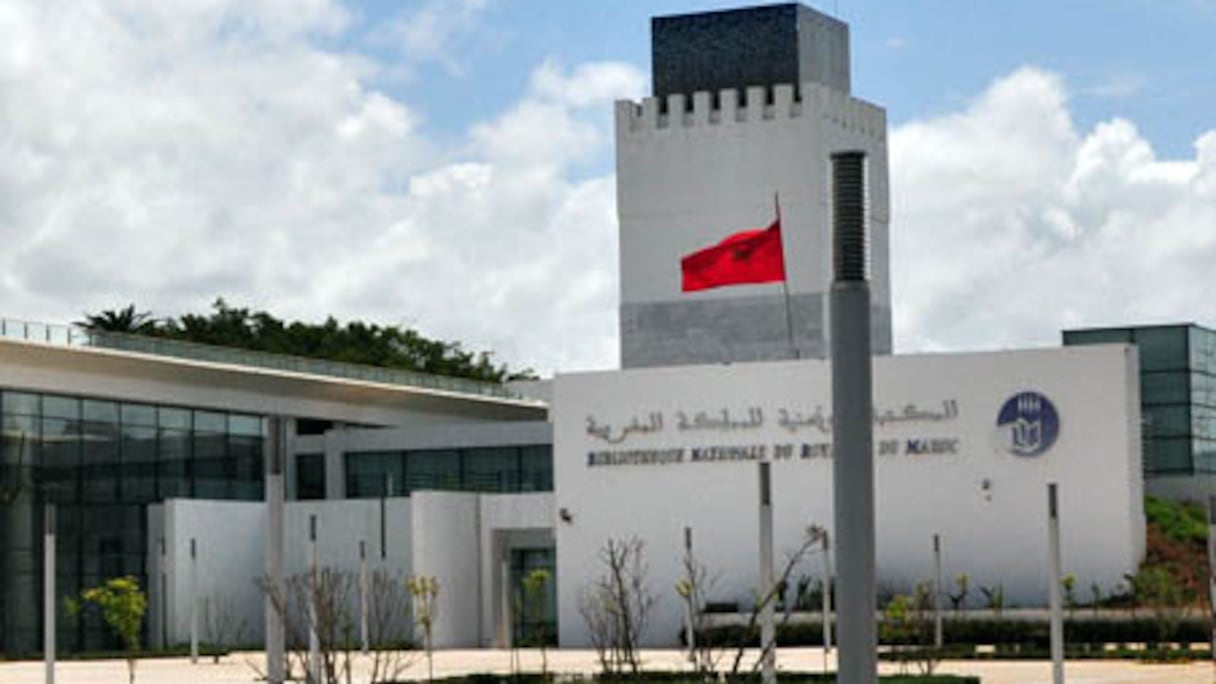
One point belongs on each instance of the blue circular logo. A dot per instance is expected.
(1028, 424)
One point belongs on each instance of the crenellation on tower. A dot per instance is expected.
(703, 109)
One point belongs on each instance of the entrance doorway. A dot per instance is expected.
(534, 596)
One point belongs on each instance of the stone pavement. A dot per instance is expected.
(242, 668)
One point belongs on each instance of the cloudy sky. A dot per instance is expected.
(447, 164)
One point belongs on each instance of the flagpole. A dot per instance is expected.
(785, 281)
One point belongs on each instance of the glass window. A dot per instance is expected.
(1169, 455)
(1203, 389)
(536, 468)
(374, 474)
(1168, 421)
(1162, 348)
(309, 426)
(59, 459)
(100, 411)
(177, 418)
(1203, 422)
(138, 414)
(60, 407)
(1164, 388)
(139, 466)
(1203, 350)
(99, 454)
(248, 471)
(173, 466)
(433, 469)
(210, 421)
(1104, 336)
(1204, 451)
(210, 465)
(21, 402)
(239, 424)
(490, 469)
(310, 476)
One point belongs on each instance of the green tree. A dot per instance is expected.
(425, 591)
(354, 342)
(124, 320)
(122, 604)
(535, 597)
(1069, 584)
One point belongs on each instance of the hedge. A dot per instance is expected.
(1034, 633)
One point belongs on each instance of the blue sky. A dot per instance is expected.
(1144, 60)
(448, 164)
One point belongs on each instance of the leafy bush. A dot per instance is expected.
(1183, 522)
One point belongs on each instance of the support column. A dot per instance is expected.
(193, 601)
(827, 593)
(363, 602)
(314, 640)
(1053, 592)
(938, 637)
(49, 604)
(768, 629)
(852, 426)
(276, 595)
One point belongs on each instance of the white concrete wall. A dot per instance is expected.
(462, 539)
(231, 551)
(446, 534)
(988, 504)
(230, 537)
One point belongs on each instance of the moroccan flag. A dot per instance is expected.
(753, 256)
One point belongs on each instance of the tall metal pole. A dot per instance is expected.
(852, 426)
(693, 598)
(193, 601)
(507, 637)
(48, 592)
(1053, 591)
(276, 597)
(164, 597)
(314, 640)
(938, 638)
(363, 604)
(827, 593)
(768, 628)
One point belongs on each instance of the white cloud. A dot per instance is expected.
(1009, 224)
(1118, 86)
(169, 157)
(430, 32)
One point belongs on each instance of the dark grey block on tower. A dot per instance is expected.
(755, 46)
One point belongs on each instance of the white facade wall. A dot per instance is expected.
(988, 505)
(462, 539)
(230, 538)
(691, 176)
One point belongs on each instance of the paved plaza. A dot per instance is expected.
(240, 668)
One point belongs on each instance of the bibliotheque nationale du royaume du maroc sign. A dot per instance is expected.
(807, 433)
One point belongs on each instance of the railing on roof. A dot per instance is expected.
(77, 336)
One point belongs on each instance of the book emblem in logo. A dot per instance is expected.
(1028, 424)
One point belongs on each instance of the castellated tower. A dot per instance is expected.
(747, 104)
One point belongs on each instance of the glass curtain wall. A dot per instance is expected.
(1177, 393)
(101, 463)
(513, 469)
